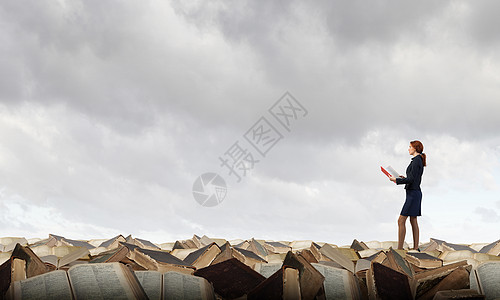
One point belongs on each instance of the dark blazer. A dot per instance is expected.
(413, 174)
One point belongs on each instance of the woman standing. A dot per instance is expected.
(412, 181)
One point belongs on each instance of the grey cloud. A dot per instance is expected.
(356, 80)
(360, 22)
(484, 22)
(253, 21)
(101, 27)
(93, 56)
(487, 214)
(112, 65)
(354, 22)
(63, 51)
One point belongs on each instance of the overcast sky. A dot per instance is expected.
(110, 110)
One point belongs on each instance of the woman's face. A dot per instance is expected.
(411, 150)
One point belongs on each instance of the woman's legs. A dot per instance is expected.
(414, 229)
(401, 231)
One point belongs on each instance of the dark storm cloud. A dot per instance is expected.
(338, 57)
(66, 53)
(359, 79)
(349, 22)
(118, 63)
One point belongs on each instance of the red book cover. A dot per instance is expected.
(385, 172)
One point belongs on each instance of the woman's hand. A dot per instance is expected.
(392, 178)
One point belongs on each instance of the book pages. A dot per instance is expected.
(362, 264)
(488, 274)
(73, 256)
(473, 280)
(151, 282)
(178, 286)
(5, 256)
(267, 269)
(392, 171)
(100, 281)
(337, 284)
(51, 285)
(337, 256)
(291, 286)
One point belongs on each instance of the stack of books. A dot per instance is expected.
(208, 268)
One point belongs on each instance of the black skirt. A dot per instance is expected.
(412, 206)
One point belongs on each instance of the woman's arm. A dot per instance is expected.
(413, 171)
(393, 179)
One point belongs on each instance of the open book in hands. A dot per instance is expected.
(389, 171)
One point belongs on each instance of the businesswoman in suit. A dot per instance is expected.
(412, 181)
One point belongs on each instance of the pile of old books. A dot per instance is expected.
(206, 268)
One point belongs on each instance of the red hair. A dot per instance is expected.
(419, 147)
